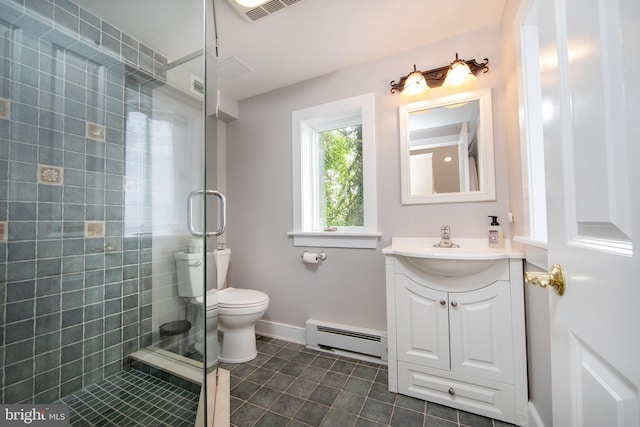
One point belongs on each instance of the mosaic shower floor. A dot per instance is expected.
(132, 398)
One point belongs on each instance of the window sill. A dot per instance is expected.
(335, 239)
(535, 251)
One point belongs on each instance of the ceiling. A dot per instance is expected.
(305, 40)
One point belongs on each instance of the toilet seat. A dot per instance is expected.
(231, 298)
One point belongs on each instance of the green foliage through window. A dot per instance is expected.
(342, 201)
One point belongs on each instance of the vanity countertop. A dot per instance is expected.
(470, 249)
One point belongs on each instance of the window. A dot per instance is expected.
(531, 124)
(338, 181)
(334, 175)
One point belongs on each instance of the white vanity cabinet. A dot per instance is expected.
(459, 341)
(467, 332)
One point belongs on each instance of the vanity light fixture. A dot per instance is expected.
(458, 73)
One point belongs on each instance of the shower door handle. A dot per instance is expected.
(223, 213)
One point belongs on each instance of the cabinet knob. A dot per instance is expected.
(452, 392)
(443, 302)
(454, 303)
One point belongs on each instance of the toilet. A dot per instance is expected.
(233, 312)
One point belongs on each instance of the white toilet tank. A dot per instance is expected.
(222, 265)
(190, 269)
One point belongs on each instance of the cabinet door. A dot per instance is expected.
(481, 333)
(423, 324)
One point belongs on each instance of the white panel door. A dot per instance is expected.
(423, 312)
(481, 332)
(589, 52)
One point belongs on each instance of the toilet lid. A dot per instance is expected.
(232, 297)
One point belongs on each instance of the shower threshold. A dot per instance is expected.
(191, 370)
(171, 363)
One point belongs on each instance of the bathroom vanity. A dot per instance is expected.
(455, 319)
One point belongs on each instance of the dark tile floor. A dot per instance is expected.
(290, 385)
(132, 398)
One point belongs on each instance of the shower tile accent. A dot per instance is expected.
(50, 175)
(94, 229)
(131, 184)
(69, 83)
(5, 107)
(95, 131)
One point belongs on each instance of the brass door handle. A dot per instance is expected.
(554, 278)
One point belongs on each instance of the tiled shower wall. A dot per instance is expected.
(75, 258)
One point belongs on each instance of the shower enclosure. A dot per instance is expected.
(104, 131)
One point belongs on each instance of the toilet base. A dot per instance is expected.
(242, 360)
(237, 345)
(210, 340)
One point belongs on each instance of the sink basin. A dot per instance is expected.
(448, 262)
(450, 267)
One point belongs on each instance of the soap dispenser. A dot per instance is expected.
(496, 237)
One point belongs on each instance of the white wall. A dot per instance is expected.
(537, 303)
(216, 176)
(539, 351)
(349, 287)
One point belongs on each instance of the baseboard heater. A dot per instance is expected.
(359, 342)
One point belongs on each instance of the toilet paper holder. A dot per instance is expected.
(320, 255)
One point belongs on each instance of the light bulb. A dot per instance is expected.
(250, 3)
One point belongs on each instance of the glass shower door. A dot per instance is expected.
(102, 138)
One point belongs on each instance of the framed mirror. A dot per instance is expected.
(446, 148)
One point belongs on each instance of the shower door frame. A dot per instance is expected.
(31, 285)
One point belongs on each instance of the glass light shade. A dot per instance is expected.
(250, 3)
(459, 74)
(415, 84)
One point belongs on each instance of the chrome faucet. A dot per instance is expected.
(445, 240)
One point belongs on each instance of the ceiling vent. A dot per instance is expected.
(197, 85)
(252, 14)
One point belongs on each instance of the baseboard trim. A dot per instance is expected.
(534, 417)
(281, 331)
